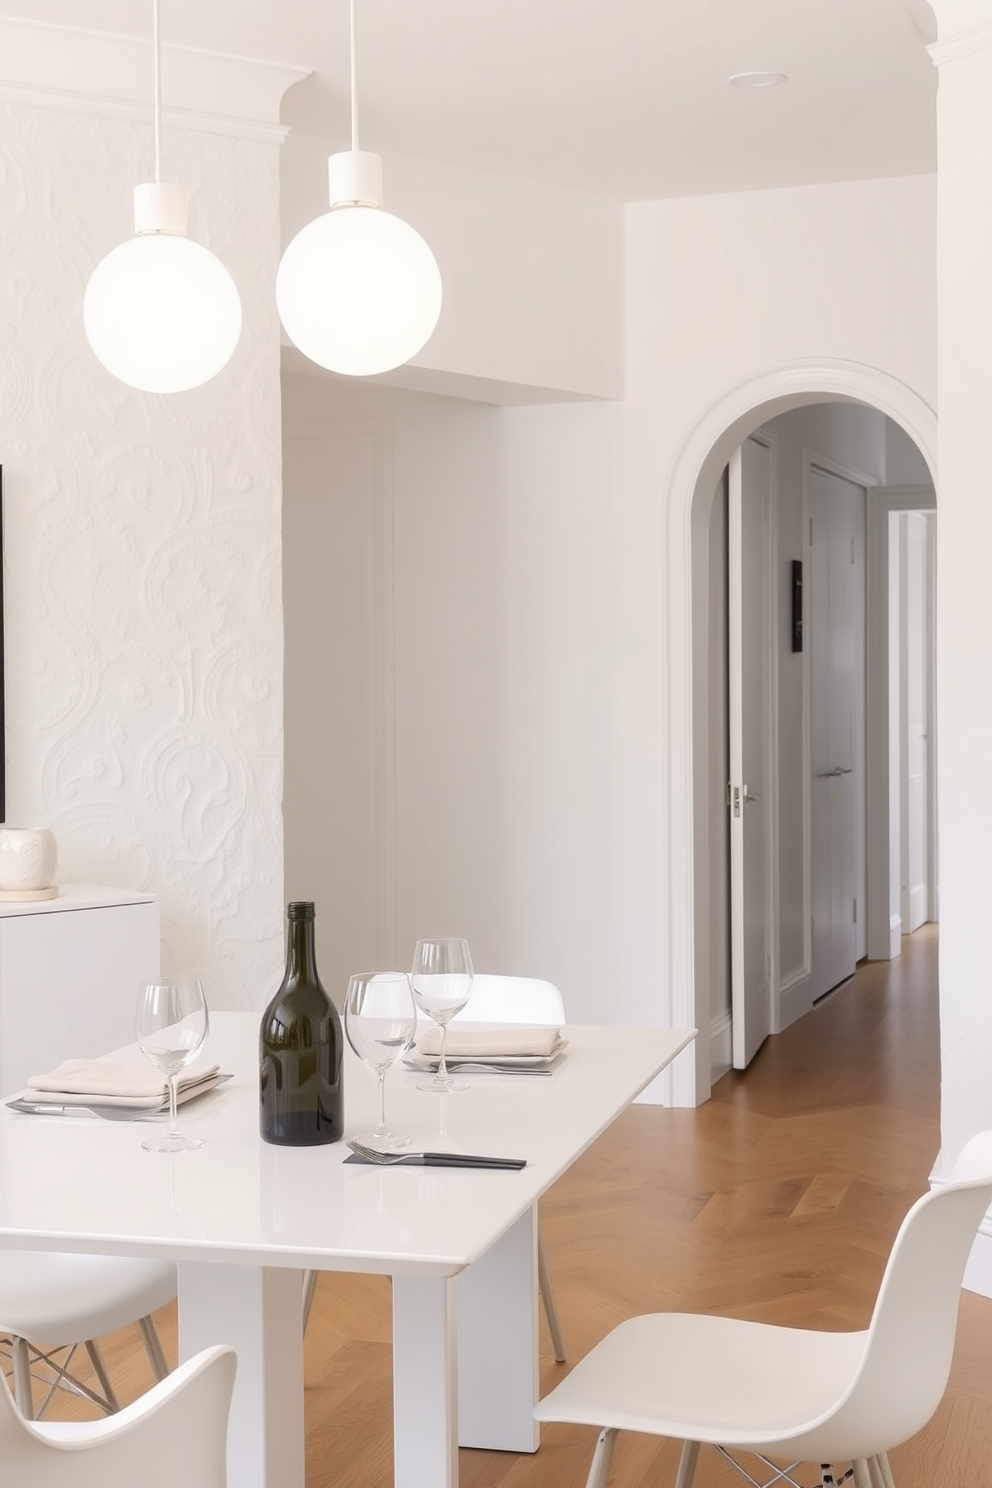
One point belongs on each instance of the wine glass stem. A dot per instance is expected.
(442, 1068)
(380, 1075)
(173, 1121)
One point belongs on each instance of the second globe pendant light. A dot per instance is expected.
(358, 290)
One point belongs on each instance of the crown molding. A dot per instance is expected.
(961, 44)
(95, 72)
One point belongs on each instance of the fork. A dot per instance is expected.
(434, 1159)
(478, 1067)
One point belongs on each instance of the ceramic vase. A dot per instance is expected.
(28, 857)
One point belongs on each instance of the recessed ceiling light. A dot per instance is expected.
(757, 79)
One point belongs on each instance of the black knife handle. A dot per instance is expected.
(466, 1160)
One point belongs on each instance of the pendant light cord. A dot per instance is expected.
(157, 105)
(354, 73)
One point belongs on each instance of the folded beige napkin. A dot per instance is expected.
(77, 1081)
(530, 1042)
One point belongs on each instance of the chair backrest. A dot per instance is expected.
(175, 1434)
(512, 999)
(910, 1341)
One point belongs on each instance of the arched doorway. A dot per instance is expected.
(695, 475)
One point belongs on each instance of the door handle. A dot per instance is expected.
(828, 774)
(748, 796)
(841, 770)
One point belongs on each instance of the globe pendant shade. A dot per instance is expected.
(162, 313)
(358, 291)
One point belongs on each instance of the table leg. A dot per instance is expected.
(258, 1311)
(425, 1402)
(498, 1383)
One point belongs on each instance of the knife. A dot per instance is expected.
(106, 1113)
(433, 1159)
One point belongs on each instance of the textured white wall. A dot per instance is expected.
(143, 554)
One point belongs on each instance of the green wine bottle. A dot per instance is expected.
(301, 1088)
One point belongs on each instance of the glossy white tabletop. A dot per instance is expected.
(80, 1183)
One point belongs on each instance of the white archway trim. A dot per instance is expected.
(695, 471)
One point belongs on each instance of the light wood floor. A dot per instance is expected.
(777, 1200)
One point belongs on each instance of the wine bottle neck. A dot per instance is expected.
(301, 961)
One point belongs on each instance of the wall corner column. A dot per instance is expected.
(963, 55)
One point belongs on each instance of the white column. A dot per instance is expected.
(425, 1382)
(259, 1312)
(963, 54)
(497, 1344)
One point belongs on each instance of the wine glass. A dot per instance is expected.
(380, 1021)
(442, 980)
(171, 1025)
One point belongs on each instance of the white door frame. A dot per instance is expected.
(884, 918)
(690, 904)
(754, 998)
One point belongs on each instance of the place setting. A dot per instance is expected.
(443, 980)
(171, 1027)
(385, 1021)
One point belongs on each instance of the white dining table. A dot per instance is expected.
(243, 1220)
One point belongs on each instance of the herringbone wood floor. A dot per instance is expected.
(777, 1200)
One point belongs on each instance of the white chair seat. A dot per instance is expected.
(792, 1393)
(717, 1379)
(54, 1299)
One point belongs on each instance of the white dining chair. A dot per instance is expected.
(174, 1435)
(52, 1303)
(791, 1393)
(516, 999)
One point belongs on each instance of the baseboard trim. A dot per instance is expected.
(895, 936)
(659, 1092)
(721, 1046)
(978, 1272)
(795, 1000)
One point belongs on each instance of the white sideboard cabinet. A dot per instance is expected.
(70, 970)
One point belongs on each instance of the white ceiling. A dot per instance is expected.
(624, 98)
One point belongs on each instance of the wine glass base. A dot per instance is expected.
(170, 1142)
(443, 1087)
(383, 1141)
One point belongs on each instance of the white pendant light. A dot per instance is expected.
(358, 290)
(161, 312)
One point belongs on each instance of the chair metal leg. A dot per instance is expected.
(880, 1465)
(99, 1369)
(309, 1286)
(599, 1469)
(153, 1347)
(547, 1292)
(22, 1377)
(862, 1473)
(687, 1464)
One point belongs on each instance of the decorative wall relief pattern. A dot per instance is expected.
(143, 552)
